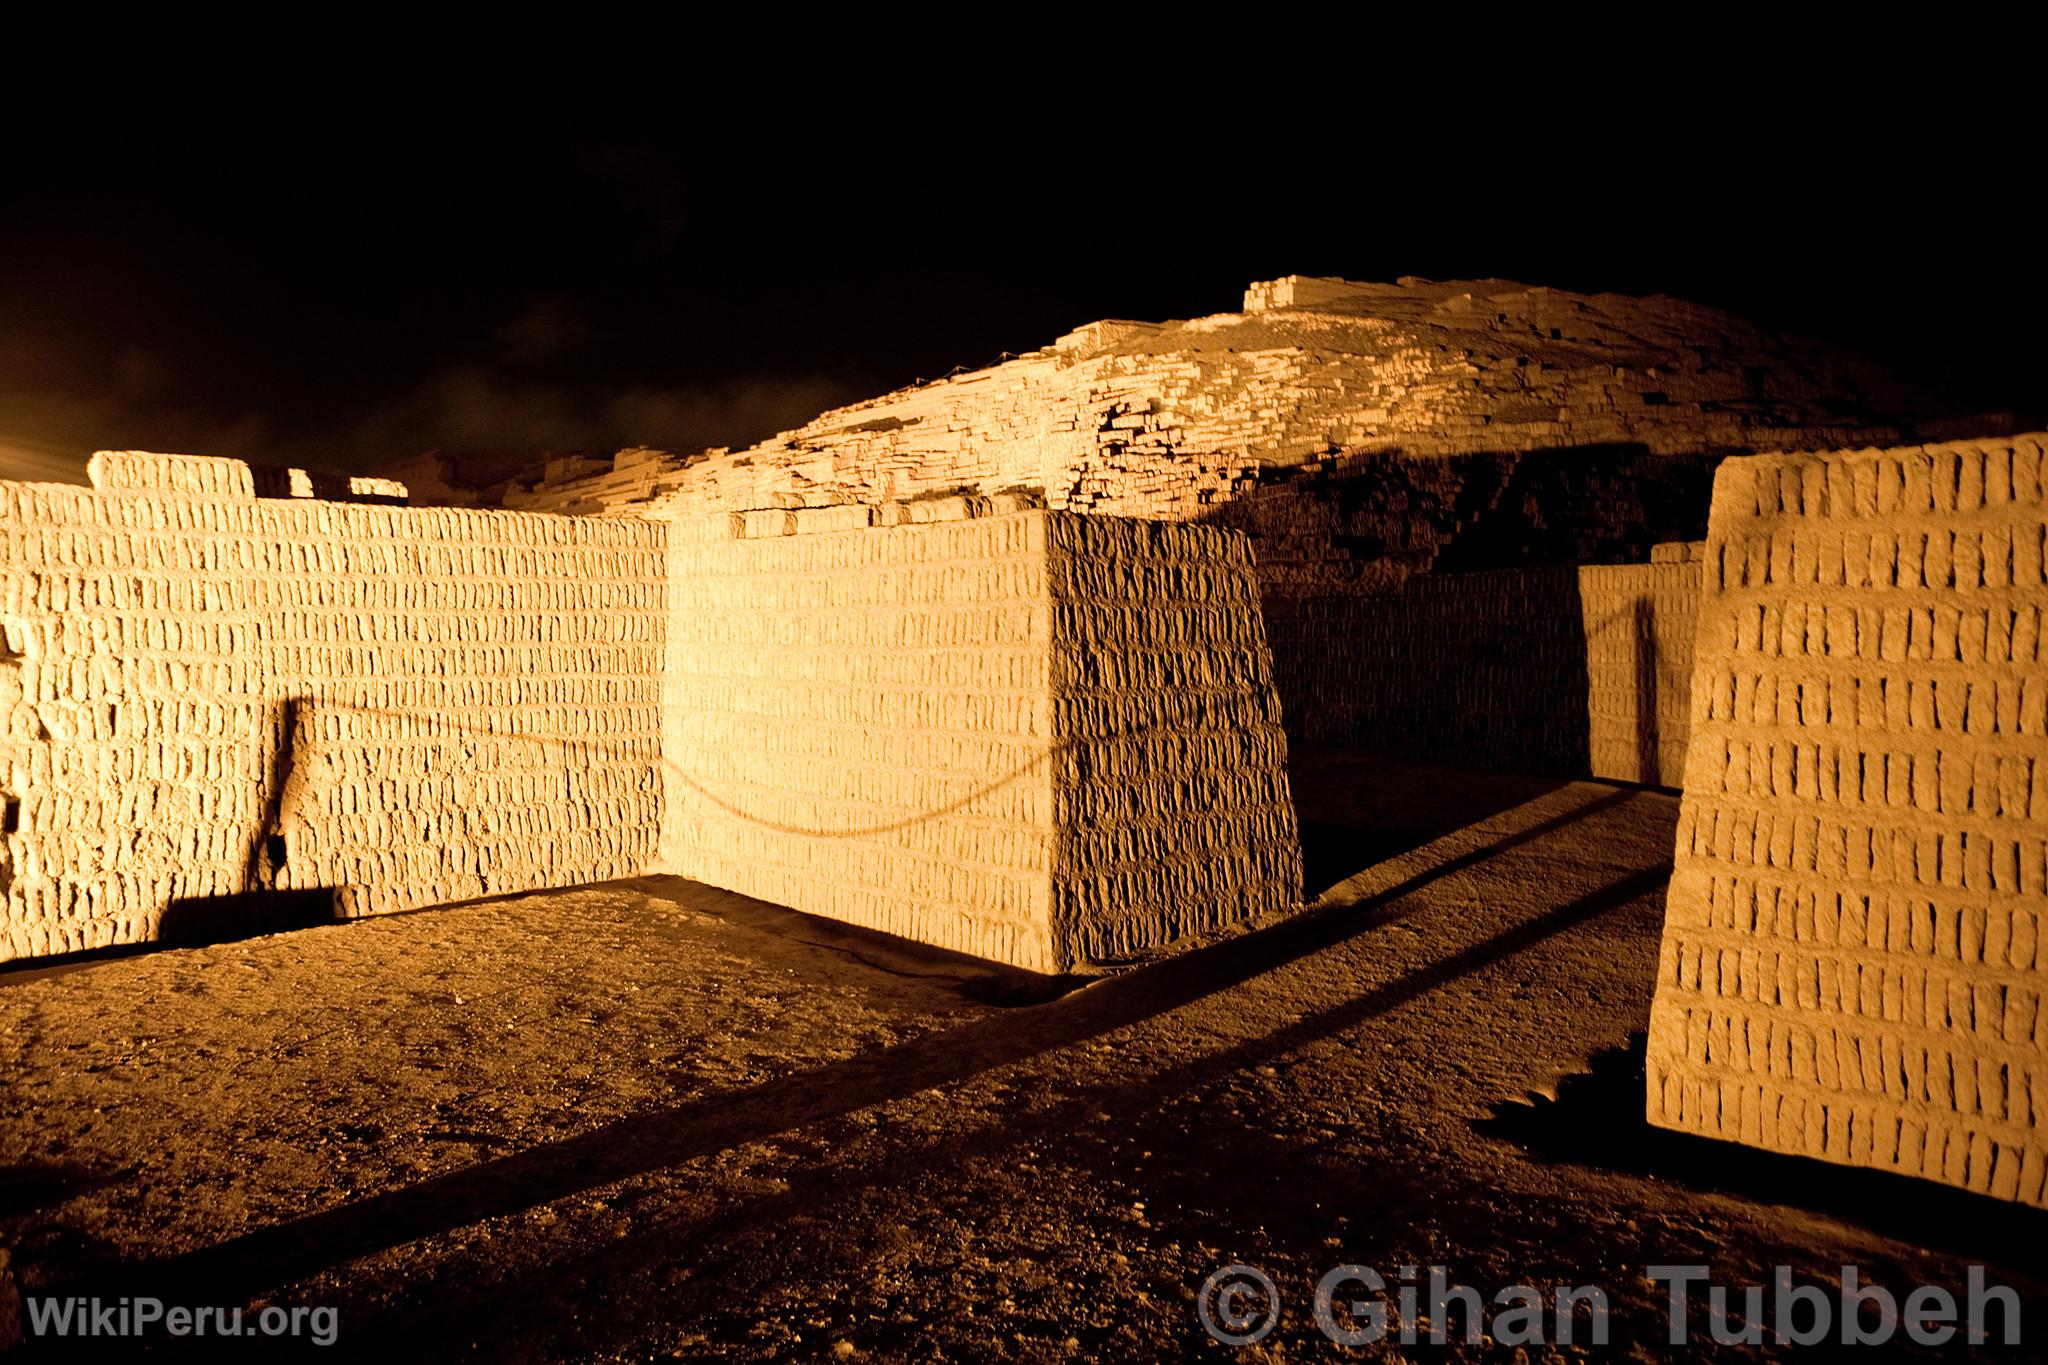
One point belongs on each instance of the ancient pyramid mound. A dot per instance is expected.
(1313, 379)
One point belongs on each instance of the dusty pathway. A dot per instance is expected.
(647, 1118)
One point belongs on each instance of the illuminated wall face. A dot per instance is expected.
(1028, 738)
(1854, 966)
(1038, 738)
(348, 709)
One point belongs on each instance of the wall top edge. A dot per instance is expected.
(143, 471)
(775, 523)
(128, 478)
(767, 523)
(1966, 446)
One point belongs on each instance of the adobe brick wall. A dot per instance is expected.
(1639, 622)
(205, 694)
(1019, 736)
(1170, 796)
(1172, 420)
(1573, 671)
(860, 723)
(1853, 964)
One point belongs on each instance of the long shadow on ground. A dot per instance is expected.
(1597, 1121)
(248, 1265)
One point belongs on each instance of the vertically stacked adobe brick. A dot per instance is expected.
(1854, 965)
(212, 703)
(1038, 738)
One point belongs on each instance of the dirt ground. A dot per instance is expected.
(650, 1120)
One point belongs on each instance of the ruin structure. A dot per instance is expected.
(1854, 966)
(221, 711)
(215, 705)
(1559, 669)
(1036, 737)
(1363, 435)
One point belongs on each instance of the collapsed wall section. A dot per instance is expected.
(1170, 785)
(216, 709)
(990, 734)
(1853, 964)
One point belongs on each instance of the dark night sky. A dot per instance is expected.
(338, 300)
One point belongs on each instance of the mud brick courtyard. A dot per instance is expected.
(645, 1119)
(903, 756)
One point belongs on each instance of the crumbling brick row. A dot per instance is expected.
(1853, 964)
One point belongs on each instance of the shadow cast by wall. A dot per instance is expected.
(1356, 809)
(31, 1185)
(1479, 670)
(1597, 1120)
(262, 906)
(1643, 649)
(194, 920)
(978, 979)
(658, 1138)
(1430, 608)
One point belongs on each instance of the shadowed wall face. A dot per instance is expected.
(1022, 737)
(1170, 785)
(216, 709)
(1570, 671)
(1853, 964)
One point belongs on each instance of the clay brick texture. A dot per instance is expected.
(1853, 963)
(1363, 435)
(1043, 739)
(217, 706)
(1571, 671)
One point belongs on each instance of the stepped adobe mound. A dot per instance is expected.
(1287, 411)
(1364, 435)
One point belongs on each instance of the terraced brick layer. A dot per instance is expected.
(1853, 964)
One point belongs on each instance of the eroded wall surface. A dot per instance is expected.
(1853, 964)
(220, 709)
(1170, 796)
(1171, 420)
(957, 730)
